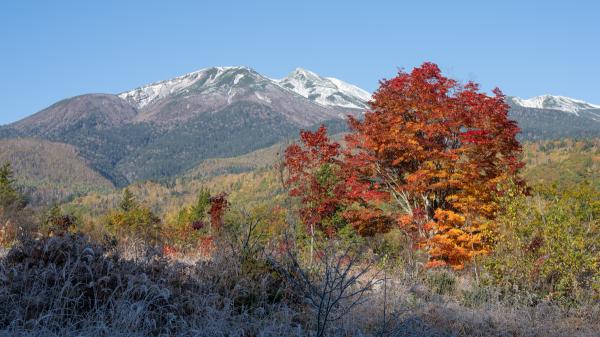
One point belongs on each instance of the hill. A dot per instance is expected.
(50, 171)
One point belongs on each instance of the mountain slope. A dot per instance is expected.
(238, 128)
(91, 111)
(552, 117)
(50, 171)
(166, 128)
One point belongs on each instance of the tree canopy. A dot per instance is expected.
(430, 157)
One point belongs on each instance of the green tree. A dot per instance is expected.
(56, 222)
(198, 211)
(191, 222)
(134, 221)
(14, 218)
(137, 223)
(10, 198)
(128, 201)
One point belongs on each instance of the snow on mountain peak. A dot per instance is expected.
(561, 103)
(153, 92)
(325, 91)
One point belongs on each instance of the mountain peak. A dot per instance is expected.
(298, 72)
(326, 91)
(202, 79)
(554, 102)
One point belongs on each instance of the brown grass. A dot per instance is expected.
(69, 286)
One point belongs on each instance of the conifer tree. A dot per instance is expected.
(128, 201)
(10, 198)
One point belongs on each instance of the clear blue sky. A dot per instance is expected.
(50, 50)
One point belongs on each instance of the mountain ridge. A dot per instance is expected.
(553, 102)
(166, 128)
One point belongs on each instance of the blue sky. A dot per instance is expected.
(50, 50)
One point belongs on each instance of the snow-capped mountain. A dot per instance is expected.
(551, 117)
(164, 128)
(204, 80)
(212, 89)
(326, 91)
(551, 102)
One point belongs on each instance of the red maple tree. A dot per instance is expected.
(440, 150)
(429, 157)
(315, 177)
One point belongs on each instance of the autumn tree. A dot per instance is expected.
(316, 179)
(218, 206)
(439, 150)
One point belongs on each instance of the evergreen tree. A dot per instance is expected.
(128, 201)
(198, 211)
(9, 196)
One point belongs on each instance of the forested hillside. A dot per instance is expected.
(51, 172)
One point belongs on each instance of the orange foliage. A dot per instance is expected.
(429, 157)
(439, 149)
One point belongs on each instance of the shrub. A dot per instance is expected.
(442, 282)
(549, 244)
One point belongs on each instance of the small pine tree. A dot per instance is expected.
(14, 218)
(9, 196)
(198, 210)
(128, 201)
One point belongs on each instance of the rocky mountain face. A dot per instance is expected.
(210, 90)
(326, 91)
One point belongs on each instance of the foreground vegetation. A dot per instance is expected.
(421, 224)
(68, 286)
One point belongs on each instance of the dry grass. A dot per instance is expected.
(68, 286)
(415, 309)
